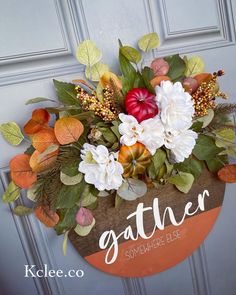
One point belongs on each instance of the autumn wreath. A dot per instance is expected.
(121, 134)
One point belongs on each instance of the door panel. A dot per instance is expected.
(38, 42)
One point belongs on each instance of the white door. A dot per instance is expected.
(37, 43)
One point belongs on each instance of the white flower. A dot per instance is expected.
(181, 145)
(152, 134)
(149, 132)
(130, 129)
(175, 105)
(101, 168)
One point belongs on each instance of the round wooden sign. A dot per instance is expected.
(153, 233)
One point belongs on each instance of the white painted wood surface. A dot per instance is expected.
(37, 43)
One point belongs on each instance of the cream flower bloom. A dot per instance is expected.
(149, 132)
(100, 167)
(152, 134)
(130, 129)
(181, 145)
(176, 106)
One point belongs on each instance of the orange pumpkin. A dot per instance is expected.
(134, 159)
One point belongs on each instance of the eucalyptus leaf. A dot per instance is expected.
(71, 180)
(131, 54)
(31, 193)
(12, 133)
(224, 137)
(194, 65)
(88, 54)
(131, 189)
(12, 193)
(88, 199)
(206, 120)
(183, 181)
(149, 42)
(215, 164)
(103, 194)
(95, 72)
(39, 99)
(118, 201)
(22, 210)
(84, 230)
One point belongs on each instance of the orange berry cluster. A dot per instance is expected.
(106, 109)
(204, 97)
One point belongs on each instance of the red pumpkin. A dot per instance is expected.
(134, 159)
(140, 103)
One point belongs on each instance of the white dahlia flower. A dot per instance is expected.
(176, 106)
(100, 167)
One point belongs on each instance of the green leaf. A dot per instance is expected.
(64, 245)
(66, 93)
(95, 72)
(12, 133)
(115, 129)
(39, 99)
(71, 180)
(215, 164)
(149, 42)
(183, 181)
(205, 148)
(177, 67)
(12, 193)
(129, 73)
(69, 195)
(157, 161)
(194, 65)
(206, 120)
(224, 137)
(131, 54)
(22, 210)
(88, 54)
(131, 189)
(84, 230)
(197, 126)
(191, 166)
(67, 219)
(71, 170)
(147, 75)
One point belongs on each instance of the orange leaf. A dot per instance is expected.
(203, 77)
(68, 130)
(156, 81)
(46, 216)
(228, 173)
(39, 120)
(40, 164)
(43, 139)
(21, 172)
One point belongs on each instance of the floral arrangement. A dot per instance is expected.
(120, 135)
